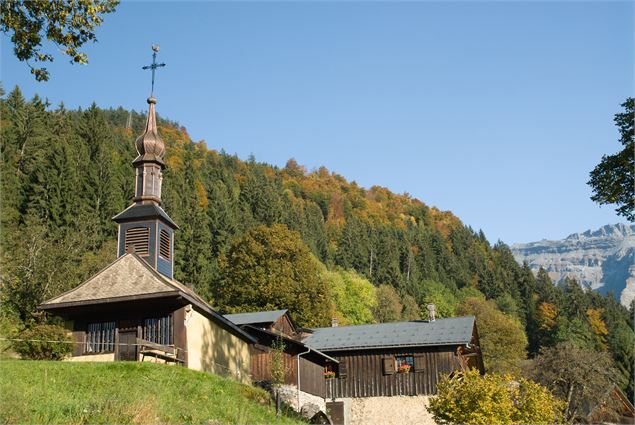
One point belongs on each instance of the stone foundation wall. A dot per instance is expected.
(396, 410)
(289, 394)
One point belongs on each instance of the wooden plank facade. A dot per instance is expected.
(366, 375)
(312, 377)
(311, 367)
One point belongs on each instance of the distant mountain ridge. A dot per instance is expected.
(603, 259)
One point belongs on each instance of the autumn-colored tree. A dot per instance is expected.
(469, 398)
(270, 268)
(546, 314)
(388, 308)
(600, 332)
(580, 377)
(503, 341)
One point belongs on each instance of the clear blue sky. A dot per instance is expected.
(496, 111)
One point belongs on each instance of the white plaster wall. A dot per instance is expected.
(104, 357)
(396, 410)
(211, 348)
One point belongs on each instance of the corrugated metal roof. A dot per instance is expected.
(255, 317)
(456, 330)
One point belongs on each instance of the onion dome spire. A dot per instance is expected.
(150, 146)
(151, 149)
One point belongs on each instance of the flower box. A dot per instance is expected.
(329, 374)
(404, 368)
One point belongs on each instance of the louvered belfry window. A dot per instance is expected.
(164, 248)
(138, 240)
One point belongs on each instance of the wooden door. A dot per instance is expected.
(127, 348)
(335, 410)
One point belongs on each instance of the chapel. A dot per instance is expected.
(134, 309)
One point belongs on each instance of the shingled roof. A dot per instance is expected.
(255, 317)
(452, 331)
(130, 278)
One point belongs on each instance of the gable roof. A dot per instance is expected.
(130, 278)
(255, 317)
(451, 331)
(288, 341)
(127, 277)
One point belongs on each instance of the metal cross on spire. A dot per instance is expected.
(154, 66)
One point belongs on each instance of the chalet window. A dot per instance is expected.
(420, 362)
(100, 337)
(388, 364)
(138, 240)
(164, 246)
(342, 369)
(405, 363)
(158, 330)
(329, 371)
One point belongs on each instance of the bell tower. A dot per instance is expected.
(144, 227)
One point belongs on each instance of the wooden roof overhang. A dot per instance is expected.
(139, 303)
(170, 293)
(265, 337)
(63, 307)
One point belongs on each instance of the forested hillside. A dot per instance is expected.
(66, 173)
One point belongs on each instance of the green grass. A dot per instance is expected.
(39, 392)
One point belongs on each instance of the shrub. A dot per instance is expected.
(469, 398)
(44, 342)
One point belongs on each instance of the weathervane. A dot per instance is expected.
(154, 66)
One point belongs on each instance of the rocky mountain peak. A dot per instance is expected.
(602, 259)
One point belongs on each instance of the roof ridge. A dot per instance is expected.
(395, 323)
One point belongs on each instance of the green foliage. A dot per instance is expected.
(126, 393)
(470, 398)
(580, 377)
(438, 294)
(507, 304)
(44, 342)
(354, 297)
(67, 24)
(270, 268)
(10, 327)
(613, 179)
(503, 341)
(388, 308)
(410, 309)
(277, 361)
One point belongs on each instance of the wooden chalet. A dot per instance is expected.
(376, 362)
(391, 359)
(134, 309)
(304, 366)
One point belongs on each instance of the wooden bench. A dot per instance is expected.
(168, 353)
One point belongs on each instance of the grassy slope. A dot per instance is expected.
(123, 393)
